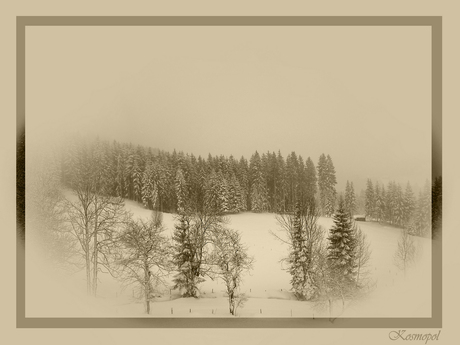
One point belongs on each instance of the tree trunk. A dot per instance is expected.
(95, 257)
(147, 288)
(87, 242)
(330, 307)
(95, 250)
(358, 271)
(231, 305)
(88, 272)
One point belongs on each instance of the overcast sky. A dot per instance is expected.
(360, 94)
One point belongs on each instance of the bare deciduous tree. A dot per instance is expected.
(194, 236)
(405, 252)
(92, 214)
(45, 213)
(232, 260)
(144, 256)
(362, 257)
(304, 236)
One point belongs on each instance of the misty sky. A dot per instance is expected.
(360, 94)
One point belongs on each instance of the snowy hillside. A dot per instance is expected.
(267, 286)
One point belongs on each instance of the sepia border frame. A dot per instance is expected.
(434, 22)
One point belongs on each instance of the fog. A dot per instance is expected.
(360, 94)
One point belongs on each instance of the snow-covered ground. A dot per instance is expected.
(267, 285)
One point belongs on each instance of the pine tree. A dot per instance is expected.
(322, 182)
(379, 213)
(409, 205)
(382, 206)
(398, 205)
(243, 178)
(258, 185)
(423, 212)
(212, 198)
(370, 199)
(269, 168)
(292, 168)
(223, 193)
(300, 259)
(184, 258)
(235, 195)
(120, 177)
(280, 185)
(341, 249)
(259, 194)
(310, 180)
(391, 202)
(232, 199)
(137, 178)
(331, 182)
(326, 184)
(128, 173)
(350, 199)
(181, 191)
(301, 186)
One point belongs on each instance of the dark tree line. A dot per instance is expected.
(87, 227)
(164, 181)
(100, 175)
(436, 211)
(401, 207)
(107, 238)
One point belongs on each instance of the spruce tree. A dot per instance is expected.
(370, 199)
(243, 178)
(423, 212)
(310, 180)
(259, 194)
(391, 202)
(382, 206)
(398, 205)
(136, 176)
(212, 198)
(350, 199)
(326, 184)
(222, 192)
(280, 185)
(232, 197)
(181, 191)
(258, 185)
(409, 205)
(341, 249)
(331, 182)
(149, 192)
(300, 259)
(292, 180)
(322, 182)
(184, 258)
(378, 202)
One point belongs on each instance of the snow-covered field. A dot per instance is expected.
(267, 285)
